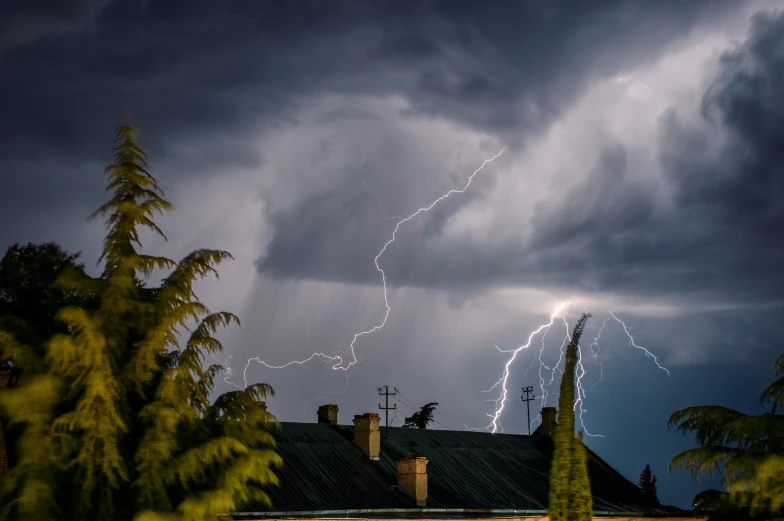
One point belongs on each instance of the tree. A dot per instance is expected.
(422, 418)
(570, 489)
(5, 376)
(648, 484)
(115, 415)
(29, 301)
(29, 295)
(747, 450)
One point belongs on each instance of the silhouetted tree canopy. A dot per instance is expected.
(29, 295)
(114, 409)
(422, 418)
(29, 302)
(570, 489)
(647, 484)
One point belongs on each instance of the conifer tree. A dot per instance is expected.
(647, 484)
(570, 489)
(746, 450)
(117, 423)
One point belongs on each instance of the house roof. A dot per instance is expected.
(324, 472)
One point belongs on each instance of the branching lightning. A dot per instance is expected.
(560, 312)
(502, 398)
(229, 372)
(380, 204)
(344, 363)
(633, 344)
(352, 358)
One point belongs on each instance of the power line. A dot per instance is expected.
(394, 417)
(406, 401)
(528, 396)
(387, 408)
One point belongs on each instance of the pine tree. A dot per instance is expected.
(422, 418)
(648, 484)
(747, 450)
(117, 422)
(570, 488)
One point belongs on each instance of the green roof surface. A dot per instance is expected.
(324, 471)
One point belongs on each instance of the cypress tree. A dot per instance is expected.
(116, 418)
(570, 489)
(647, 484)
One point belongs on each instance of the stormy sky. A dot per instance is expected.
(642, 175)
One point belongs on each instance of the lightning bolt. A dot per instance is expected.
(595, 353)
(641, 348)
(578, 403)
(380, 204)
(560, 312)
(502, 382)
(627, 79)
(229, 371)
(337, 359)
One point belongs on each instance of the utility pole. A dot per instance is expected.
(528, 397)
(384, 391)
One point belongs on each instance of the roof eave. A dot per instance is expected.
(427, 512)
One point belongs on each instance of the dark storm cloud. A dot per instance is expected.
(215, 73)
(609, 233)
(721, 236)
(23, 22)
(206, 68)
(335, 234)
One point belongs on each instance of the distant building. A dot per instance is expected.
(334, 471)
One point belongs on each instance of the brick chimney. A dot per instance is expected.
(548, 421)
(412, 478)
(328, 414)
(367, 435)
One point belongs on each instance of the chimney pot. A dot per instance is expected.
(549, 415)
(328, 414)
(412, 478)
(367, 435)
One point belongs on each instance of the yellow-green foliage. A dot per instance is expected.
(570, 489)
(116, 420)
(747, 450)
